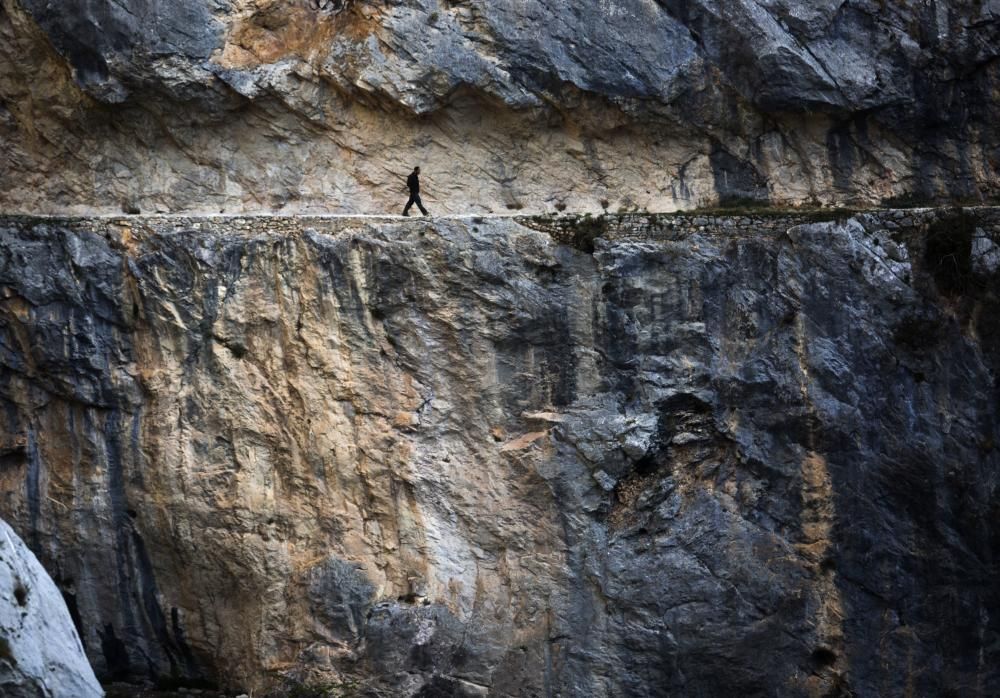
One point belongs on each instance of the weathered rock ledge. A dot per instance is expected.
(683, 455)
(316, 105)
(609, 226)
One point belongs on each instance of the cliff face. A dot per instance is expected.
(323, 105)
(679, 456)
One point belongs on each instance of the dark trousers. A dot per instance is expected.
(414, 199)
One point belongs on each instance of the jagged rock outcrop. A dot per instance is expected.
(310, 105)
(40, 651)
(680, 456)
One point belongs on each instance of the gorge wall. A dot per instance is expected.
(324, 105)
(546, 455)
(636, 455)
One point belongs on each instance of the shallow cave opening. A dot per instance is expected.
(823, 657)
(20, 593)
(648, 464)
(948, 253)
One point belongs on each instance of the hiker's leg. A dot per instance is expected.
(406, 209)
(420, 204)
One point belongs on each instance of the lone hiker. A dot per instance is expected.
(413, 182)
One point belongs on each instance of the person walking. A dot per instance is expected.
(413, 183)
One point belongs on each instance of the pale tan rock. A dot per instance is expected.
(524, 441)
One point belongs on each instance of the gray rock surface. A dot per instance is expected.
(680, 456)
(40, 652)
(243, 105)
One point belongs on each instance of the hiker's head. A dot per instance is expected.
(416, 170)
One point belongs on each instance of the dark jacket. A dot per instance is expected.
(413, 182)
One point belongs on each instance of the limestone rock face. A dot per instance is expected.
(679, 456)
(40, 651)
(325, 105)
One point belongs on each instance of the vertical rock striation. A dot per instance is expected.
(681, 456)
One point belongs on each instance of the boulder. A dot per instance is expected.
(41, 655)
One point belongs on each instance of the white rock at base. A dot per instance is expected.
(40, 651)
